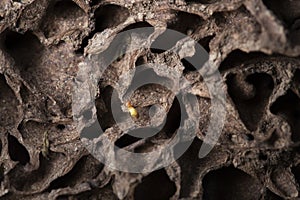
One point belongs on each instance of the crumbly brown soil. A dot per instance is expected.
(255, 44)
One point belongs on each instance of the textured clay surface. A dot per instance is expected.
(254, 43)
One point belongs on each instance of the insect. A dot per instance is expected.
(133, 112)
(45, 150)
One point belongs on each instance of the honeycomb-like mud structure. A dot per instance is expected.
(255, 44)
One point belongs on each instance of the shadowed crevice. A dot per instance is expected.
(288, 107)
(250, 96)
(155, 186)
(230, 183)
(16, 151)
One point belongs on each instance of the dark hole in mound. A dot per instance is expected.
(296, 172)
(85, 168)
(61, 127)
(155, 186)
(106, 16)
(296, 81)
(185, 22)
(17, 151)
(126, 140)
(249, 137)
(106, 118)
(1, 173)
(286, 11)
(173, 119)
(140, 61)
(24, 48)
(62, 16)
(187, 66)
(230, 184)
(237, 57)
(189, 162)
(289, 13)
(204, 42)
(250, 96)
(288, 107)
(109, 16)
(263, 156)
(272, 196)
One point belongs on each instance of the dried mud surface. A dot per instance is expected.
(254, 43)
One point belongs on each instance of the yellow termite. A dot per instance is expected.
(133, 112)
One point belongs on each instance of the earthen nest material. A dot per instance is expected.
(256, 46)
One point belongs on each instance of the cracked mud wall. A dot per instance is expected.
(254, 43)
